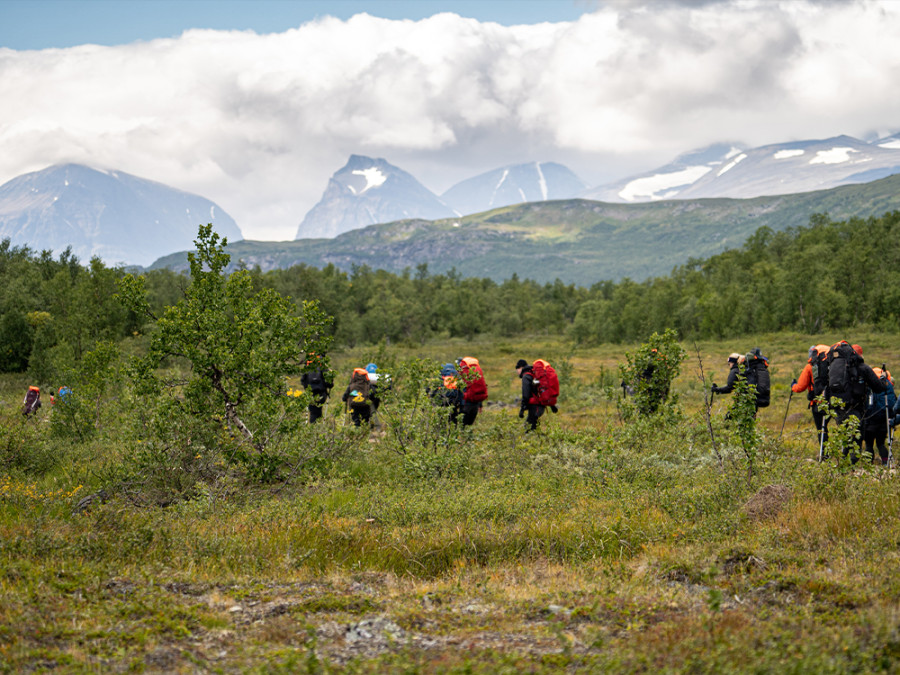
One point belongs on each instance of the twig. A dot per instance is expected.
(707, 407)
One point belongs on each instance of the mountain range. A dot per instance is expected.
(110, 214)
(123, 218)
(729, 170)
(577, 241)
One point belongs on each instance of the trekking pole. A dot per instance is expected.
(788, 407)
(887, 420)
(825, 419)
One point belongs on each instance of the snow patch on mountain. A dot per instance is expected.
(732, 163)
(374, 178)
(651, 186)
(833, 156)
(891, 145)
(787, 154)
(541, 181)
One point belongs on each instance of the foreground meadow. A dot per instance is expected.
(593, 545)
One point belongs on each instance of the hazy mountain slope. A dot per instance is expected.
(110, 214)
(578, 241)
(532, 182)
(367, 191)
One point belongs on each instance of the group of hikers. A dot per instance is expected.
(840, 386)
(460, 387)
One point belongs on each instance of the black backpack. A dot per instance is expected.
(819, 367)
(843, 372)
(758, 374)
(315, 381)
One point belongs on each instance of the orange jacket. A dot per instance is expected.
(805, 381)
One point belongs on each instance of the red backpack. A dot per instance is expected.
(546, 383)
(473, 377)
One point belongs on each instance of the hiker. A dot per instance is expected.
(537, 395)
(475, 389)
(447, 394)
(754, 367)
(813, 380)
(875, 425)
(359, 397)
(32, 401)
(848, 379)
(378, 384)
(734, 363)
(318, 383)
(655, 390)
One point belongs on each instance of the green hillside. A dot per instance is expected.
(577, 241)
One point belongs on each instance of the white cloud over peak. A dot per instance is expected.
(258, 123)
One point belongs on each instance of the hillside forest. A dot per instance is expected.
(827, 275)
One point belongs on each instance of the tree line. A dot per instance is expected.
(823, 276)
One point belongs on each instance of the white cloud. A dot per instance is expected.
(258, 123)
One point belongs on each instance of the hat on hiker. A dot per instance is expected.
(521, 363)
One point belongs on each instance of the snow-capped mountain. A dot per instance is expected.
(728, 170)
(368, 191)
(532, 182)
(110, 214)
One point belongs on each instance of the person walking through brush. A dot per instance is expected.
(876, 423)
(754, 367)
(475, 389)
(813, 380)
(359, 397)
(849, 381)
(539, 390)
(318, 383)
(32, 401)
(447, 394)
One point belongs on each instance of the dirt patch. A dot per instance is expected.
(768, 502)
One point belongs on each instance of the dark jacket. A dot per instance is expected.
(869, 379)
(528, 388)
(733, 375)
(876, 407)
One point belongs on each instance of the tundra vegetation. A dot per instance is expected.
(175, 514)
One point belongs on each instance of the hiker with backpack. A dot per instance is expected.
(360, 397)
(32, 401)
(849, 381)
(540, 389)
(654, 390)
(876, 424)
(475, 390)
(754, 367)
(378, 384)
(447, 393)
(317, 382)
(813, 380)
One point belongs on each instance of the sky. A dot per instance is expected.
(254, 105)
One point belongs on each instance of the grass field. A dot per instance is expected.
(590, 546)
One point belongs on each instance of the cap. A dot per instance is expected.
(521, 363)
(733, 357)
(857, 349)
(371, 368)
